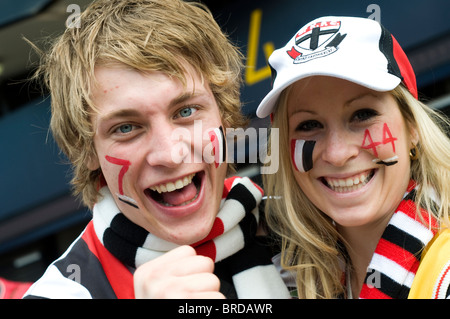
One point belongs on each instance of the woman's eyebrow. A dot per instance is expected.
(361, 97)
(301, 111)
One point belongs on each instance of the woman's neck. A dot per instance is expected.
(361, 242)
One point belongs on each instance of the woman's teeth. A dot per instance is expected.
(171, 186)
(344, 185)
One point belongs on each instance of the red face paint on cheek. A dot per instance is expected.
(387, 137)
(368, 143)
(125, 166)
(384, 151)
(218, 141)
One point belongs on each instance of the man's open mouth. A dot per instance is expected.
(345, 185)
(180, 192)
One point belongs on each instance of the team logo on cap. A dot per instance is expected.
(316, 40)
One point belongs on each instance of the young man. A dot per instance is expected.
(142, 94)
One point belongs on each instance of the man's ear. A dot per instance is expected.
(92, 162)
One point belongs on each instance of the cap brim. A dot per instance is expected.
(375, 80)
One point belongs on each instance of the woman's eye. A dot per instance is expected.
(308, 125)
(364, 115)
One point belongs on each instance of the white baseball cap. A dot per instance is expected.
(359, 50)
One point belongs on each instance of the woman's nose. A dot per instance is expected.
(339, 147)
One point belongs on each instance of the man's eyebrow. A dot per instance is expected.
(129, 112)
(120, 113)
(183, 98)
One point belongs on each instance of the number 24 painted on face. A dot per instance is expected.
(387, 138)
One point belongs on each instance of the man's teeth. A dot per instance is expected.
(353, 183)
(171, 186)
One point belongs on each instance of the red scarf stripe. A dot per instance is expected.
(408, 208)
(372, 293)
(411, 185)
(118, 275)
(217, 230)
(401, 256)
(208, 249)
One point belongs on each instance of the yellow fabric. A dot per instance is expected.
(434, 264)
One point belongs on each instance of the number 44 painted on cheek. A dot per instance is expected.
(388, 158)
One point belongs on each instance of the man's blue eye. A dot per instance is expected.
(126, 128)
(186, 112)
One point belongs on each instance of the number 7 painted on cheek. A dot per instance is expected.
(125, 166)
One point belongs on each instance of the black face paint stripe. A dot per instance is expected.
(380, 162)
(126, 200)
(302, 154)
(388, 161)
(224, 145)
(307, 158)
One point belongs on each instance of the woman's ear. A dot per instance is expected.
(414, 135)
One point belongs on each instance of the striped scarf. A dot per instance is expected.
(397, 255)
(231, 243)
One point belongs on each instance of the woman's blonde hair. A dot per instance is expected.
(311, 245)
(146, 35)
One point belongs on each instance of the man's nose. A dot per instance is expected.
(168, 146)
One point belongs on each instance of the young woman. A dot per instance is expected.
(370, 215)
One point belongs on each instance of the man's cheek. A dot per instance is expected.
(124, 166)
